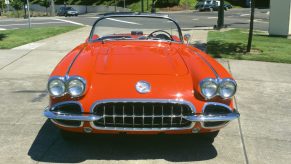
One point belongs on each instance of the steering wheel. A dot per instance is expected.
(162, 36)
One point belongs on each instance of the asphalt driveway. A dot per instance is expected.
(262, 135)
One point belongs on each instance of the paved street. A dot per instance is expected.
(234, 18)
(262, 135)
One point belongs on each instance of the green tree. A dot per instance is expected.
(46, 4)
(17, 5)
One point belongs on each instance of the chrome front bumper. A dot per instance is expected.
(70, 117)
(90, 117)
(213, 118)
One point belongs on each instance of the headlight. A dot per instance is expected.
(76, 86)
(227, 88)
(208, 88)
(56, 87)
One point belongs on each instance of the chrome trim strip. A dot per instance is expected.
(140, 129)
(73, 61)
(209, 65)
(145, 16)
(172, 101)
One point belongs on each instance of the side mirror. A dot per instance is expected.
(187, 38)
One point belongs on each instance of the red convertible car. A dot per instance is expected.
(137, 74)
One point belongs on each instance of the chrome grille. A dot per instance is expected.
(142, 115)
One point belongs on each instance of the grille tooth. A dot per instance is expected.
(104, 117)
(172, 113)
(114, 115)
(181, 119)
(142, 115)
(162, 115)
(133, 116)
(123, 115)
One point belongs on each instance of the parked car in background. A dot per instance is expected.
(210, 5)
(67, 11)
(227, 6)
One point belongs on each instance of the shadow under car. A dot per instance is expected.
(49, 146)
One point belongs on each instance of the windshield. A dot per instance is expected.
(138, 28)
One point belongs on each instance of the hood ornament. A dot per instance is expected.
(143, 87)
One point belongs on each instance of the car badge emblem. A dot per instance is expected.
(143, 87)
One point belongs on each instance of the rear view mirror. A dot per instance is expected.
(187, 38)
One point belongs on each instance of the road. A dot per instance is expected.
(234, 18)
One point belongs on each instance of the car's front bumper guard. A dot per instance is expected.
(90, 117)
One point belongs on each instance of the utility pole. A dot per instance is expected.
(25, 8)
(28, 11)
(52, 8)
(142, 10)
(220, 20)
(124, 4)
(249, 47)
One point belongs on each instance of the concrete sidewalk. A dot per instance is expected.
(261, 136)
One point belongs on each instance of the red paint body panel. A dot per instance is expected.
(112, 69)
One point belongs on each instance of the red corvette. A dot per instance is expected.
(135, 75)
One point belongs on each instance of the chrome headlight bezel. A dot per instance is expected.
(63, 85)
(82, 85)
(65, 81)
(222, 84)
(219, 86)
(209, 81)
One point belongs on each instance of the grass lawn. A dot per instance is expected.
(13, 38)
(232, 44)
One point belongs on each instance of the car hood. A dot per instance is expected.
(139, 59)
(112, 70)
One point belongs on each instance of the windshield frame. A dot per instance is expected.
(140, 16)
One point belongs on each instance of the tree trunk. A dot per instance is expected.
(249, 47)
(142, 9)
